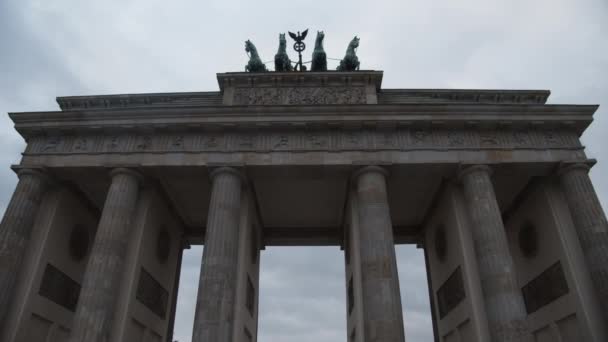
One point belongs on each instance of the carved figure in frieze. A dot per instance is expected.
(350, 61)
(246, 141)
(281, 142)
(419, 137)
(455, 138)
(550, 137)
(114, 143)
(302, 95)
(144, 143)
(281, 59)
(211, 142)
(386, 140)
(177, 141)
(489, 138)
(317, 140)
(81, 144)
(350, 140)
(51, 144)
(520, 138)
(319, 58)
(255, 63)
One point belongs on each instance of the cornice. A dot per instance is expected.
(384, 96)
(210, 98)
(497, 96)
(578, 117)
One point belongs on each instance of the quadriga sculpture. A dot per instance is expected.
(319, 58)
(281, 59)
(350, 61)
(255, 63)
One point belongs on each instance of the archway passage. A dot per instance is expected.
(303, 294)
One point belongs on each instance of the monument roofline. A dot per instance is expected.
(504, 96)
(201, 98)
(385, 96)
(578, 117)
(309, 78)
(301, 89)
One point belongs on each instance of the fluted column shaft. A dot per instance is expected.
(97, 302)
(591, 226)
(382, 315)
(214, 316)
(504, 305)
(15, 232)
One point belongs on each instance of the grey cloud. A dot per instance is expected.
(54, 48)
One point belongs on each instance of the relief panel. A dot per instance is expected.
(403, 139)
(299, 95)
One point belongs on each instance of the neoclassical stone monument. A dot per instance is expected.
(491, 184)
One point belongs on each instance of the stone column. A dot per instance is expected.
(382, 315)
(102, 278)
(178, 271)
(15, 231)
(215, 312)
(591, 226)
(503, 301)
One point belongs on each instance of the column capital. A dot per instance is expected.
(467, 169)
(368, 169)
(37, 172)
(565, 167)
(127, 171)
(226, 169)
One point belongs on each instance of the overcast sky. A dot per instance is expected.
(58, 47)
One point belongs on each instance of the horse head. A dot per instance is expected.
(249, 47)
(319, 40)
(320, 36)
(282, 41)
(354, 43)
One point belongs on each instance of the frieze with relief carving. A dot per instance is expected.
(403, 139)
(299, 95)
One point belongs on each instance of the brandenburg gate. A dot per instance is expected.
(493, 185)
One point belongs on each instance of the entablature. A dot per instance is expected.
(574, 117)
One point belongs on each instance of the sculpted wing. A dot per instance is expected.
(304, 34)
(293, 35)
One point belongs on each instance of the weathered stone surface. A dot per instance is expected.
(591, 226)
(302, 133)
(299, 96)
(311, 140)
(382, 314)
(214, 315)
(98, 297)
(15, 231)
(386, 96)
(504, 305)
(208, 98)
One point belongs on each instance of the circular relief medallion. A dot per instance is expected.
(163, 245)
(441, 243)
(528, 240)
(79, 242)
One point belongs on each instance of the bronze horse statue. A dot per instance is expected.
(281, 59)
(319, 58)
(350, 61)
(255, 63)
